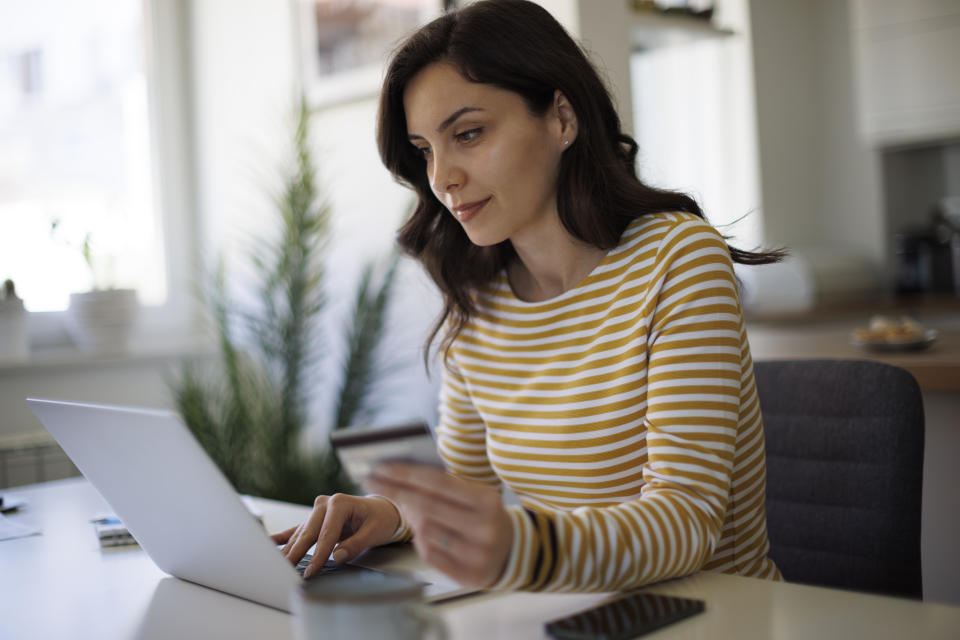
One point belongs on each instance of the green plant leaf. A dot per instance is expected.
(251, 411)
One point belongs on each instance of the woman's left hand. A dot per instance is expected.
(459, 527)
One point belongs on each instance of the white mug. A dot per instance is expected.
(363, 604)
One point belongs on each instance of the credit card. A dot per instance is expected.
(362, 449)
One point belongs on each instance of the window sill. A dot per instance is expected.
(71, 358)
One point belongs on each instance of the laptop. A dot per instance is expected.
(179, 506)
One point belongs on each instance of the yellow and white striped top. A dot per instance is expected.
(622, 413)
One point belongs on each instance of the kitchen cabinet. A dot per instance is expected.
(906, 54)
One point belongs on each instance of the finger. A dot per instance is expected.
(464, 561)
(433, 545)
(338, 512)
(282, 537)
(352, 546)
(307, 535)
(292, 541)
(443, 540)
(447, 556)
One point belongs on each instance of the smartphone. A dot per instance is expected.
(362, 449)
(627, 617)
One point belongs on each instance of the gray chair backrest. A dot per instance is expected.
(844, 442)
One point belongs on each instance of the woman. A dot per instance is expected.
(595, 357)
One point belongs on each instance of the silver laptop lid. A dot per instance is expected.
(171, 496)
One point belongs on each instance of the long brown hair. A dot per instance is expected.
(518, 46)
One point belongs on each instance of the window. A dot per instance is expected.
(76, 157)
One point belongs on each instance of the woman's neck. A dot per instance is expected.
(550, 262)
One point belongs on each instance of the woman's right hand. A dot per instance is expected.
(352, 524)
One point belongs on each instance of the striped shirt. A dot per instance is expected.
(622, 413)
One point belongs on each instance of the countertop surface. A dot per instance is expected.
(827, 333)
(61, 584)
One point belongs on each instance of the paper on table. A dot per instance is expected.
(10, 529)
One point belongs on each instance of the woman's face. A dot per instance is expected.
(491, 162)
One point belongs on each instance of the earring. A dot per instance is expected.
(566, 142)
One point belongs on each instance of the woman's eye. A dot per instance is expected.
(469, 135)
(422, 151)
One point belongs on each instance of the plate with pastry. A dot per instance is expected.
(886, 333)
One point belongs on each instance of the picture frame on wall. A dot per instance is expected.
(344, 44)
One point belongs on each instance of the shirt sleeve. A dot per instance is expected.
(692, 408)
(461, 433)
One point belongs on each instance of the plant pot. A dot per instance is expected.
(14, 345)
(103, 321)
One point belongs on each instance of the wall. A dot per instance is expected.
(940, 526)
(820, 184)
(696, 125)
(136, 380)
(243, 98)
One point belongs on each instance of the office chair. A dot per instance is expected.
(844, 443)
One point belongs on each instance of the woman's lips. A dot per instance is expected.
(467, 211)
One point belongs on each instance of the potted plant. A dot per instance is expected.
(251, 409)
(101, 319)
(14, 344)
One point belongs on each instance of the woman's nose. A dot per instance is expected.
(447, 176)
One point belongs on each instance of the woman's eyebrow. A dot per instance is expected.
(449, 120)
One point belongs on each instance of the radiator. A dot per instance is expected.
(32, 457)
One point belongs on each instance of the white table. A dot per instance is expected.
(62, 585)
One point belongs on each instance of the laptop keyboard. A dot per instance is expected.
(332, 567)
(329, 567)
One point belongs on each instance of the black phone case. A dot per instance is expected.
(626, 617)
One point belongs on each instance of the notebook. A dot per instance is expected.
(176, 502)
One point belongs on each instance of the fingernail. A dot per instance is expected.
(340, 556)
(308, 572)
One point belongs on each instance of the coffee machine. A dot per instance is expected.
(928, 258)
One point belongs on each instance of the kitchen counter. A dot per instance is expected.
(936, 368)
(826, 334)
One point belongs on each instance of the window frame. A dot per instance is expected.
(175, 323)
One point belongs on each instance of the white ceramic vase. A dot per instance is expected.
(102, 321)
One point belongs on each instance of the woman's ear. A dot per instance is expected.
(566, 119)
